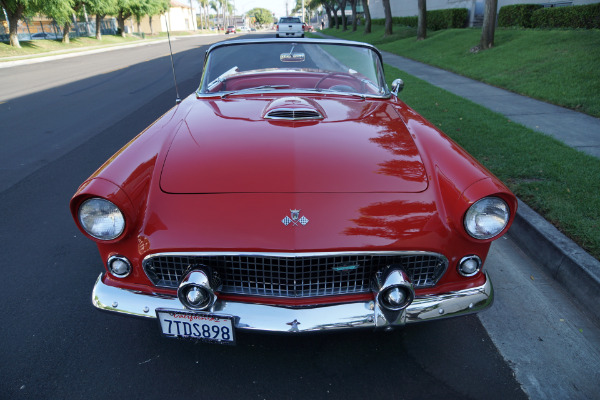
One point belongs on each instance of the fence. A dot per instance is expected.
(34, 30)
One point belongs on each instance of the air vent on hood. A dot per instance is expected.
(293, 114)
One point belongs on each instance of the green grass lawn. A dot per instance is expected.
(559, 182)
(39, 47)
(558, 66)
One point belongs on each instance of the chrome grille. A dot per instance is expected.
(293, 114)
(294, 275)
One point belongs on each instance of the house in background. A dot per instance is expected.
(475, 7)
(179, 18)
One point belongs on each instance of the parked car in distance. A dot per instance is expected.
(292, 192)
(289, 27)
(307, 28)
(230, 29)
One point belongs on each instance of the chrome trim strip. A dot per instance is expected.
(294, 92)
(281, 254)
(286, 319)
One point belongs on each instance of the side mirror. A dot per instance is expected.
(397, 86)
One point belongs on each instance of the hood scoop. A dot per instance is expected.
(293, 109)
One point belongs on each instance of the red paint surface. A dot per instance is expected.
(213, 175)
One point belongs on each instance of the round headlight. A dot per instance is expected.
(487, 217)
(101, 219)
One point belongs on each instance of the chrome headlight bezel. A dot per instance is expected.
(101, 219)
(487, 218)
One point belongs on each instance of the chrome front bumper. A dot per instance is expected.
(286, 319)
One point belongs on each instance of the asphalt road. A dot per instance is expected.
(58, 122)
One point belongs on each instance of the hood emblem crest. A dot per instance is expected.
(295, 219)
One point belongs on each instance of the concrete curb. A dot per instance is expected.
(42, 58)
(568, 263)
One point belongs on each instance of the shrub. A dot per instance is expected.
(404, 21)
(447, 19)
(585, 17)
(518, 15)
(436, 19)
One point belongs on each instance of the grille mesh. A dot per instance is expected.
(294, 276)
(293, 114)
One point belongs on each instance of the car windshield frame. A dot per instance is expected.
(225, 61)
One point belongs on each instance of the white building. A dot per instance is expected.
(180, 18)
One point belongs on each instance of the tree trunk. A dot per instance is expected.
(365, 4)
(354, 21)
(329, 16)
(121, 22)
(150, 22)
(422, 24)
(99, 26)
(388, 17)
(66, 30)
(335, 18)
(344, 19)
(13, 24)
(489, 25)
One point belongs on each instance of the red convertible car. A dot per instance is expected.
(293, 192)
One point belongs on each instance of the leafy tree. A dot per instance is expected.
(331, 8)
(124, 11)
(101, 8)
(422, 20)
(388, 17)
(139, 10)
(16, 10)
(62, 12)
(157, 7)
(262, 16)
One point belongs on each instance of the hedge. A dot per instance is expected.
(585, 17)
(404, 21)
(536, 16)
(518, 15)
(436, 19)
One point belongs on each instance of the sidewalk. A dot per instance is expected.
(573, 128)
(564, 259)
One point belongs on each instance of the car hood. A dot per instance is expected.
(228, 146)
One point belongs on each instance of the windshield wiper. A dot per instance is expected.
(262, 87)
(354, 94)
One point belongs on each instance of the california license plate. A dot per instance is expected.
(197, 325)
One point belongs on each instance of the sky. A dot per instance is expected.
(243, 6)
(276, 6)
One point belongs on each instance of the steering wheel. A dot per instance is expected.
(332, 74)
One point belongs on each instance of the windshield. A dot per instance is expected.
(320, 66)
(290, 20)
